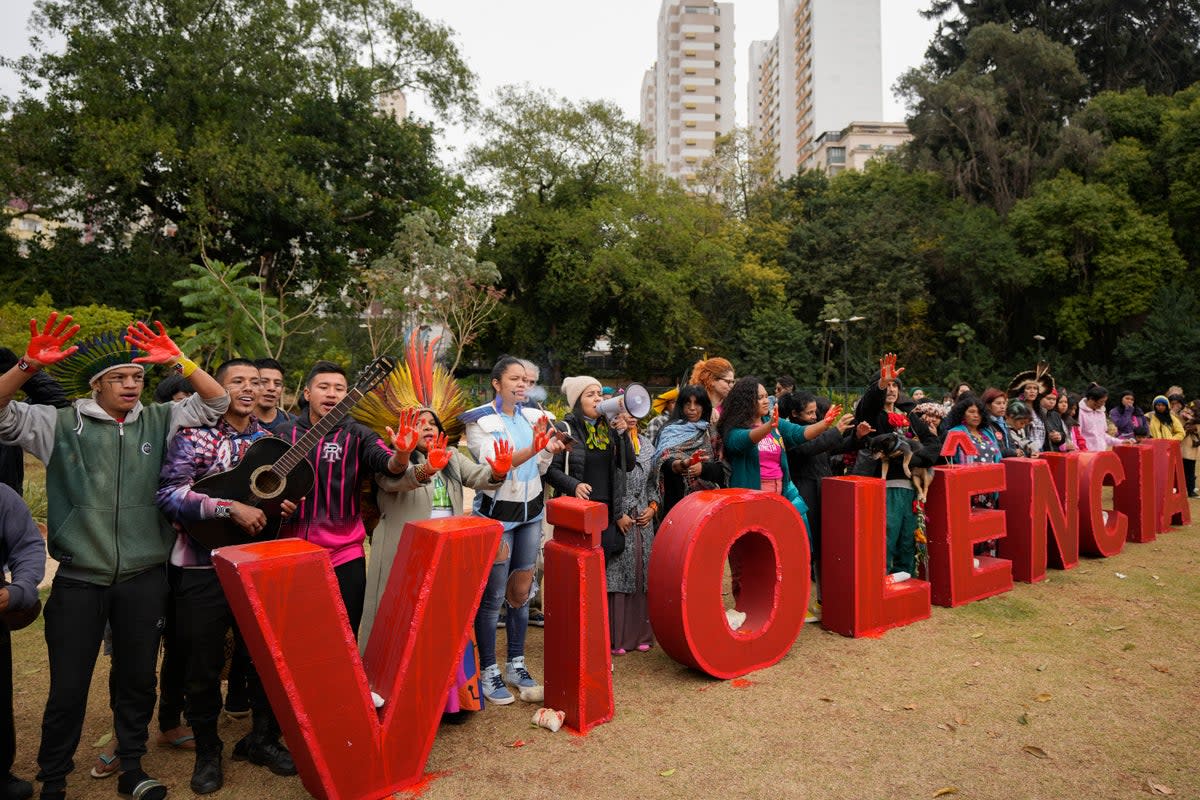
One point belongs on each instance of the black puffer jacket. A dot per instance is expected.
(565, 472)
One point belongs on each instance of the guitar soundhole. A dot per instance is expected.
(266, 484)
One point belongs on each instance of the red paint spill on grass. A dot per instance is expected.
(418, 788)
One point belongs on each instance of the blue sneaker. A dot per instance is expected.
(516, 674)
(492, 685)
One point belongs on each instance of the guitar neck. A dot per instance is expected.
(299, 451)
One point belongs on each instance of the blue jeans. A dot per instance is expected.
(515, 561)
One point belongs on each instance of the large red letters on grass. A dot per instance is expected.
(954, 529)
(1101, 532)
(1134, 496)
(763, 538)
(857, 599)
(1170, 488)
(287, 604)
(578, 660)
(286, 601)
(1038, 499)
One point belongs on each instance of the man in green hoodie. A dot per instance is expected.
(103, 454)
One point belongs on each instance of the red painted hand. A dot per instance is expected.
(775, 418)
(888, 372)
(831, 416)
(158, 346)
(404, 437)
(697, 457)
(439, 453)
(502, 462)
(46, 347)
(541, 434)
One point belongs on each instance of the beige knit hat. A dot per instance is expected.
(573, 387)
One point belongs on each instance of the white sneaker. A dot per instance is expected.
(493, 688)
(516, 674)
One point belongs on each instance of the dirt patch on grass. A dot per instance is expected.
(1082, 686)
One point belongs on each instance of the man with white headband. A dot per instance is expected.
(103, 454)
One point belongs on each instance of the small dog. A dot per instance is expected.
(922, 478)
(887, 446)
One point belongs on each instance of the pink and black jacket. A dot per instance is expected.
(330, 516)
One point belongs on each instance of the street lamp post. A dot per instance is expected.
(1039, 339)
(845, 328)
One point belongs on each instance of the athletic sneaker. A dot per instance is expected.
(537, 618)
(516, 674)
(493, 687)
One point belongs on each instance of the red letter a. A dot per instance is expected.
(286, 601)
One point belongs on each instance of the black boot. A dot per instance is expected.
(15, 788)
(262, 746)
(208, 776)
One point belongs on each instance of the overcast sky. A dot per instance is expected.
(593, 50)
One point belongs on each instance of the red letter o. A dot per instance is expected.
(765, 535)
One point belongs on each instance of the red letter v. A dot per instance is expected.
(286, 602)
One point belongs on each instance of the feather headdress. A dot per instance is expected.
(420, 382)
(95, 355)
(1040, 375)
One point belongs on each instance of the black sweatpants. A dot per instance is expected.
(8, 731)
(202, 618)
(352, 583)
(75, 615)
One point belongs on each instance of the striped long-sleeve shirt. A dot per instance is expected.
(194, 454)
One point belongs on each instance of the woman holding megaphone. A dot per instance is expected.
(594, 465)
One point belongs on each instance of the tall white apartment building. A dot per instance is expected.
(692, 98)
(823, 70)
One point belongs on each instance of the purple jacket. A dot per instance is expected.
(1128, 421)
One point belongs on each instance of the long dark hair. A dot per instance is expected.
(696, 392)
(740, 409)
(1071, 417)
(955, 417)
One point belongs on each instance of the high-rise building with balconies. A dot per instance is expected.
(823, 70)
(693, 85)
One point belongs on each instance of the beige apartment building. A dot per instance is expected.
(856, 144)
(821, 71)
(688, 95)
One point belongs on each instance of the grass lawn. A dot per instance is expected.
(1084, 686)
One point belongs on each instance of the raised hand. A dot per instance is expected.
(888, 372)
(405, 437)
(45, 348)
(845, 423)
(862, 429)
(541, 434)
(158, 346)
(439, 453)
(774, 418)
(831, 416)
(501, 463)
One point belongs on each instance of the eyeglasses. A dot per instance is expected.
(726, 380)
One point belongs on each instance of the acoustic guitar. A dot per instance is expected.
(272, 471)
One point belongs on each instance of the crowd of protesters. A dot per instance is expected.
(122, 502)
